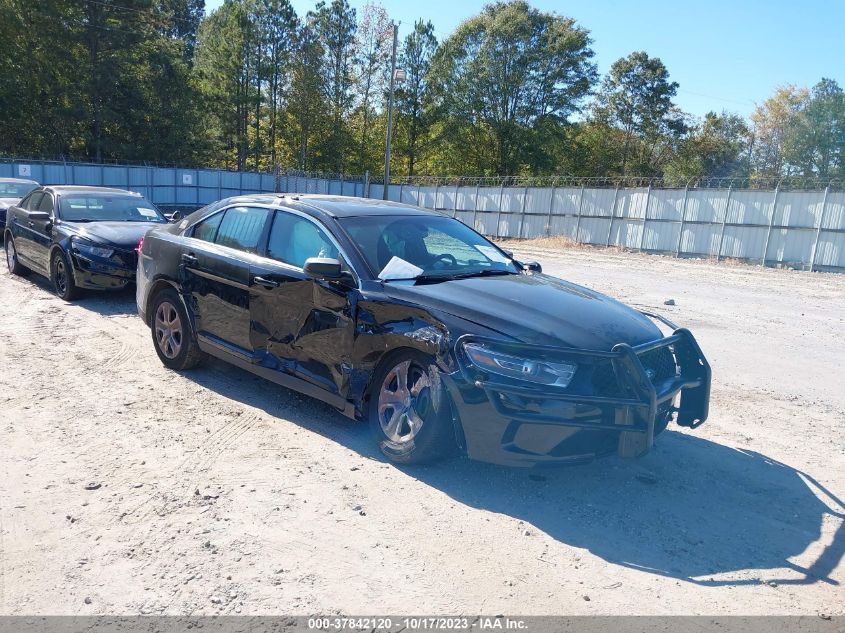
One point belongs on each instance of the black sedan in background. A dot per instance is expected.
(415, 322)
(11, 192)
(79, 237)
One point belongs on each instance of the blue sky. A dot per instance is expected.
(726, 55)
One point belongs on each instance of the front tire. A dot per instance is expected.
(172, 336)
(15, 267)
(61, 274)
(409, 410)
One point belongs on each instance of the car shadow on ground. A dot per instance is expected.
(108, 303)
(692, 509)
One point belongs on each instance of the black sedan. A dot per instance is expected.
(79, 237)
(415, 322)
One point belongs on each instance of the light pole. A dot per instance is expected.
(395, 75)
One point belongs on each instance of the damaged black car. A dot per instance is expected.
(79, 237)
(412, 321)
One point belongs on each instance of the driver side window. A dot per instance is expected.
(293, 239)
(31, 203)
(46, 204)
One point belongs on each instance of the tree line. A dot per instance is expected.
(511, 91)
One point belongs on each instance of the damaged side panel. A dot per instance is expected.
(383, 326)
(303, 327)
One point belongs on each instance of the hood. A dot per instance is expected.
(5, 203)
(535, 309)
(118, 234)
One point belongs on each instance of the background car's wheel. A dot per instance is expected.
(61, 274)
(409, 411)
(172, 335)
(15, 267)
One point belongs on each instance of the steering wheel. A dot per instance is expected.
(446, 256)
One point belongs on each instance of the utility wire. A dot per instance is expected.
(744, 102)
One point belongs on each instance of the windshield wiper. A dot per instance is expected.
(466, 275)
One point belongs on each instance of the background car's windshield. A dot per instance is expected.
(15, 189)
(109, 208)
(435, 245)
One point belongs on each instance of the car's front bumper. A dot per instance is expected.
(104, 274)
(521, 424)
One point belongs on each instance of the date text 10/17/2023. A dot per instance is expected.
(417, 623)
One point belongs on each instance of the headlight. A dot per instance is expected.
(539, 371)
(86, 248)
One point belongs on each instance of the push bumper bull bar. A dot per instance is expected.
(634, 409)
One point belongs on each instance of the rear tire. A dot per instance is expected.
(61, 274)
(173, 337)
(15, 266)
(409, 410)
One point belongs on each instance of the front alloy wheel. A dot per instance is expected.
(62, 277)
(404, 402)
(410, 413)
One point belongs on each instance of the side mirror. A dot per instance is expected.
(37, 215)
(534, 267)
(173, 217)
(323, 268)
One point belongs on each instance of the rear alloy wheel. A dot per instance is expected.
(172, 336)
(15, 267)
(410, 412)
(61, 275)
(168, 330)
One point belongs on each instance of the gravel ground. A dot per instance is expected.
(126, 488)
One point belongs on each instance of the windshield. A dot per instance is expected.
(408, 247)
(15, 189)
(108, 208)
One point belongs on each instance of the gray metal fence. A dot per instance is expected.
(776, 227)
(166, 186)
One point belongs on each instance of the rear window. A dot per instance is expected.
(237, 227)
(207, 229)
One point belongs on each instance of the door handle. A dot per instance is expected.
(189, 258)
(267, 283)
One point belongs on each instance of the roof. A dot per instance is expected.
(333, 206)
(23, 181)
(87, 188)
(347, 206)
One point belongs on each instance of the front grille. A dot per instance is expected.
(661, 361)
(604, 381)
(129, 259)
(658, 363)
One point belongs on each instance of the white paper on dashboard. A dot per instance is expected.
(147, 213)
(492, 253)
(398, 268)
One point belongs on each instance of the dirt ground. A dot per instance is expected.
(217, 492)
